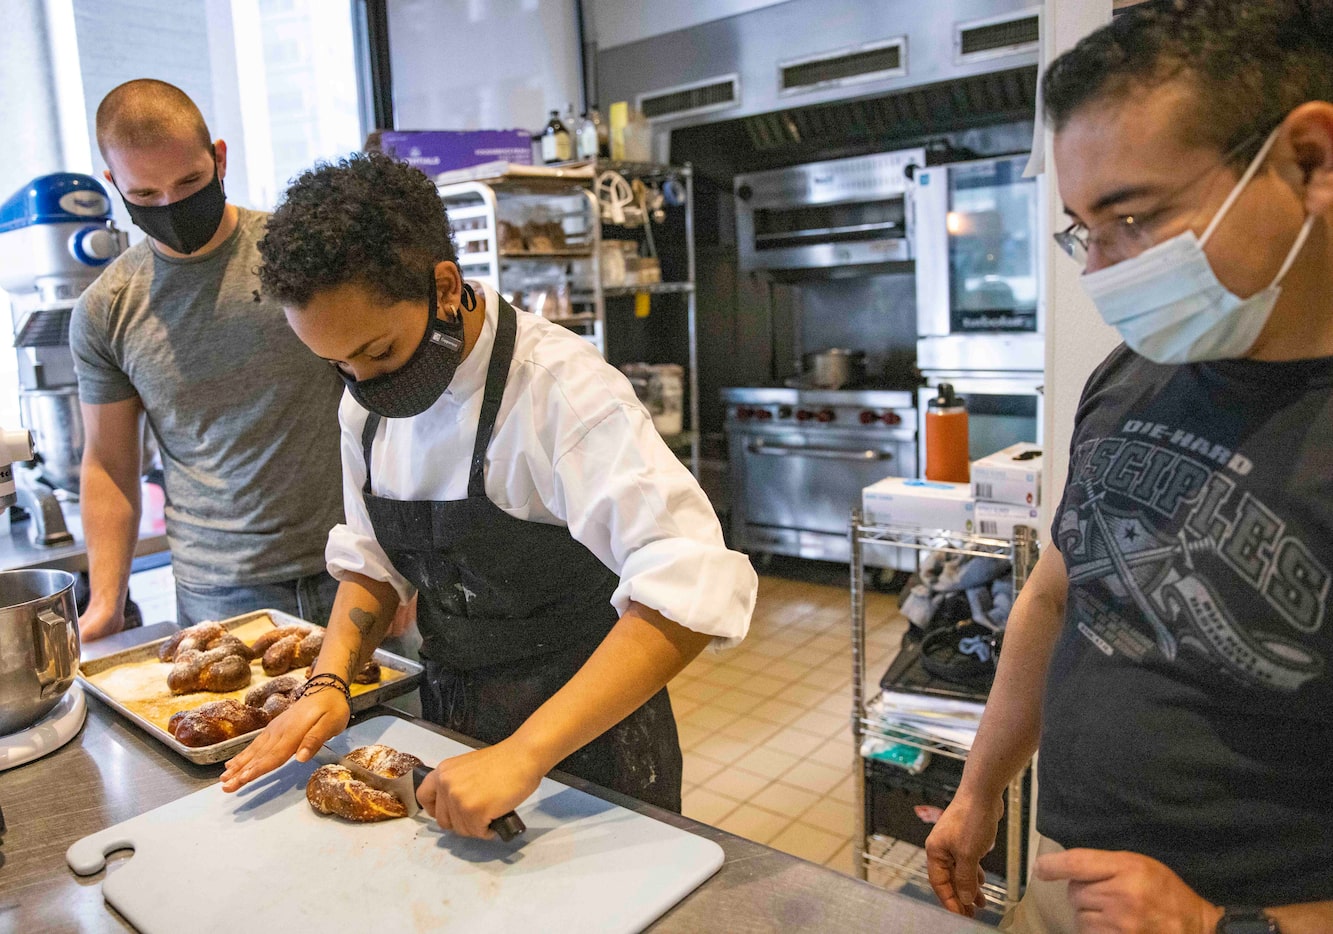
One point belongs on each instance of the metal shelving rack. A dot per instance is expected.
(886, 853)
(474, 209)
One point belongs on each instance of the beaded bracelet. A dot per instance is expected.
(326, 681)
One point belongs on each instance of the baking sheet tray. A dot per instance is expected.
(134, 684)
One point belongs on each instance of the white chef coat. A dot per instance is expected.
(572, 446)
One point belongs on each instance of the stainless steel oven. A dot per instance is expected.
(799, 460)
(841, 213)
(980, 317)
(978, 254)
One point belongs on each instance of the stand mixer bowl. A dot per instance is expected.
(39, 644)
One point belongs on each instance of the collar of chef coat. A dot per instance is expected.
(470, 377)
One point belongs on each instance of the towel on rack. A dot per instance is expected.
(985, 582)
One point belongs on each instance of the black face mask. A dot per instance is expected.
(417, 384)
(184, 225)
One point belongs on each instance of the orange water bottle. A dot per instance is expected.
(946, 438)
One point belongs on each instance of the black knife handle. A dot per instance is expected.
(507, 826)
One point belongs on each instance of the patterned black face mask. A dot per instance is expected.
(417, 384)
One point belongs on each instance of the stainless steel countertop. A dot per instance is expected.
(17, 552)
(111, 772)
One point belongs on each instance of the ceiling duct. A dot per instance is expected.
(991, 98)
(847, 66)
(697, 98)
(996, 37)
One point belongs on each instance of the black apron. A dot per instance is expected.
(509, 610)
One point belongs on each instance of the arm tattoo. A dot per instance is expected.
(364, 622)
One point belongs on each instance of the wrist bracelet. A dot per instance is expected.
(326, 681)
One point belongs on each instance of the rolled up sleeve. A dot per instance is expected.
(632, 503)
(352, 547)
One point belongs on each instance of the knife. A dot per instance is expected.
(404, 788)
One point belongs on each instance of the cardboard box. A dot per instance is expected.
(436, 151)
(926, 504)
(1009, 476)
(997, 520)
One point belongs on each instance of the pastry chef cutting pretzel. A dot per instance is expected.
(566, 564)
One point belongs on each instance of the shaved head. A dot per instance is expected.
(145, 113)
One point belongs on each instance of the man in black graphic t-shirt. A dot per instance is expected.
(1171, 653)
(1188, 700)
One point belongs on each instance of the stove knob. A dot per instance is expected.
(784, 411)
(744, 413)
(827, 415)
(804, 415)
(868, 417)
(892, 418)
(763, 414)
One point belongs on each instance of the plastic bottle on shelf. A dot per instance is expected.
(587, 138)
(638, 138)
(556, 143)
(946, 438)
(619, 120)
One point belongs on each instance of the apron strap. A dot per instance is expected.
(368, 442)
(497, 375)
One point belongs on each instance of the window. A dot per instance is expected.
(275, 79)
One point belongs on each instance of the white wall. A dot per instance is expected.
(1076, 337)
(620, 22)
(492, 64)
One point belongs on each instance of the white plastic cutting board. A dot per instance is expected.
(263, 860)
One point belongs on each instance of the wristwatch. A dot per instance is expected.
(1246, 921)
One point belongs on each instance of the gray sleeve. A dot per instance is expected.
(101, 379)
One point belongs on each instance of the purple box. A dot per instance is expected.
(436, 151)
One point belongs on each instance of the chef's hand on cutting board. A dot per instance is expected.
(299, 730)
(467, 792)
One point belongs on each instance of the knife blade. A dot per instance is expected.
(404, 788)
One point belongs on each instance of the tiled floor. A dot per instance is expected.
(766, 727)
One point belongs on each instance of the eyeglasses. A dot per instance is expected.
(1122, 238)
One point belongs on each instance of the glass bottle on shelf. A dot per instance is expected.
(603, 134)
(556, 143)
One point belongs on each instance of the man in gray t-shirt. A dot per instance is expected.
(177, 330)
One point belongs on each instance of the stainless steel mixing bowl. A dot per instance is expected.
(39, 644)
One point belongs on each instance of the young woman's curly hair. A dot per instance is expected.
(368, 219)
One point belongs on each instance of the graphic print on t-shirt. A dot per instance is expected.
(1169, 552)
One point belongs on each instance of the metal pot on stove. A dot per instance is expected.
(836, 368)
(39, 644)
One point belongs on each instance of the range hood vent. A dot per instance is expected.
(700, 97)
(993, 38)
(864, 63)
(997, 97)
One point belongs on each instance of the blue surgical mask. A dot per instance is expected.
(1168, 304)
